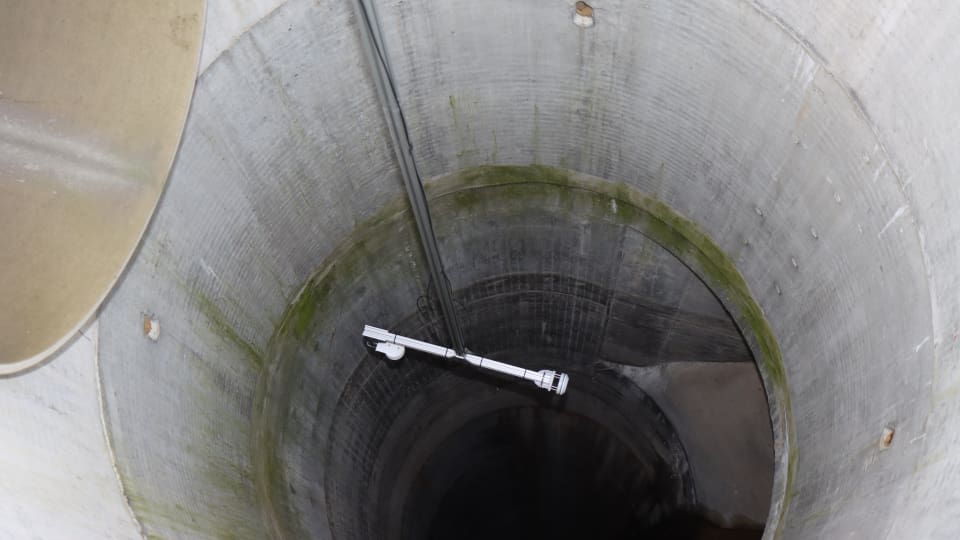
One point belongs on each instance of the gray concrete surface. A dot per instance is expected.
(720, 413)
(811, 141)
(58, 478)
(543, 273)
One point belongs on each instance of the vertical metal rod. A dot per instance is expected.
(372, 42)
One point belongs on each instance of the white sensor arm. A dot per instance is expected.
(394, 346)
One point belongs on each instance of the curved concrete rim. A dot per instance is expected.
(90, 128)
(814, 144)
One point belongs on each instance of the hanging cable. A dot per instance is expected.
(372, 43)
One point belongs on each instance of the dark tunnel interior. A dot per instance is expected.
(601, 462)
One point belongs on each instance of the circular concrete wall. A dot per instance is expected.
(811, 144)
(551, 270)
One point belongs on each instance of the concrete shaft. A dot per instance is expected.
(809, 142)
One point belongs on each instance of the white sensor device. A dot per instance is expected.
(394, 347)
(391, 350)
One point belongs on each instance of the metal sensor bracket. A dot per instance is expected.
(393, 347)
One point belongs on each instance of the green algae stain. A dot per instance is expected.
(498, 185)
(487, 176)
(303, 311)
(308, 311)
(222, 327)
(495, 185)
(351, 259)
(517, 189)
(186, 522)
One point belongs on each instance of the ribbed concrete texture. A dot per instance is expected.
(732, 222)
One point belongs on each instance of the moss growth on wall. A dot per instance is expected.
(524, 186)
(220, 325)
(185, 521)
(314, 305)
(476, 190)
(305, 309)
